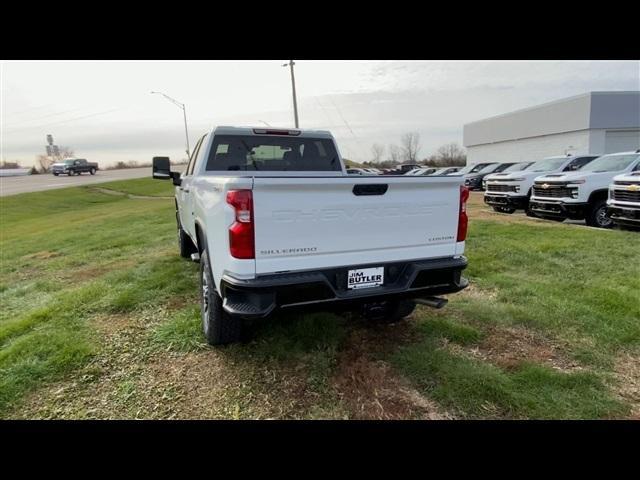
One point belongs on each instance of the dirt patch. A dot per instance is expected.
(93, 271)
(473, 291)
(627, 373)
(43, 255)
(370, 388)
(508, 347)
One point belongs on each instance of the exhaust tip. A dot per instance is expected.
(434, 302)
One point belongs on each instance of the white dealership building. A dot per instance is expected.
(595, 123)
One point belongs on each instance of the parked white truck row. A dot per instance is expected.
(571, 187)
(275, 221)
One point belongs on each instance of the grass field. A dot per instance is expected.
(100, 319)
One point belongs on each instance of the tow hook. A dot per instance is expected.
(434, 302)
(195, 257)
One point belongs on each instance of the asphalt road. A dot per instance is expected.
(36, 183)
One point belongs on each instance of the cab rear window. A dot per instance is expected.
(272, 154)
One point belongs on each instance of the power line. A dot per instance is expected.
(67, 120)
(46, 116)
(348, 126)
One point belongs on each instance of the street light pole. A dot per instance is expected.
(184, 112)
(293, 87)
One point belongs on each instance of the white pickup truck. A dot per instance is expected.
(623, 205)
(582, 194)
(510, 191)
(276, 222)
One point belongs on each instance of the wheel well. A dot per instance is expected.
(200, 240)
(598, 195)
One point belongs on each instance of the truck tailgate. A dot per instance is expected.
(314, 222)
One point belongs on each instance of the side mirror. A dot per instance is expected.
(161, 168)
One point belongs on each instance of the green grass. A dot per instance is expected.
(477, 389)
(68, 255)
(74, 260)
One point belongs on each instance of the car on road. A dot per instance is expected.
(510, 191)
(276, 224)
(74, 166)
(516, 167)
(582, 195)
(623, 204)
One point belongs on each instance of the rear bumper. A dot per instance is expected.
(624, 215)
(328, 288)
(512, 201)
(574, 211)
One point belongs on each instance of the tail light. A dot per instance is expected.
(463, 220)
(241, 237)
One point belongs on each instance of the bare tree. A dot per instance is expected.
(451, 154)
(394, 154)
(45, 161)
(377, 151)
(410, 146)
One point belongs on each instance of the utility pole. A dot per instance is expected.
(293, 87)
(184, 112)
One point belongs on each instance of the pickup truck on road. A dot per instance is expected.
(582, 194)
(74, 166)
(276, 222)
(623, 205)
(508, 192)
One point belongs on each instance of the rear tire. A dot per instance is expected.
(70, 172)
(92, 171)
(218, 326)
(597, 215)
(391, 311)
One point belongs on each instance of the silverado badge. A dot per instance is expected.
(633, 188)
(545, 185)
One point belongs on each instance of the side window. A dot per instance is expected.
(578, 163)
(192, 159)
(199, 154)
(636, 168)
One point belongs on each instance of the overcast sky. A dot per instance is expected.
(104, 111)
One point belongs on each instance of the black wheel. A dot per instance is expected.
(185, 244)
(70, 172)
(92, 171)
(55, 174)
(390, 311)
(530, 213)
(597, 215)
(219, 327)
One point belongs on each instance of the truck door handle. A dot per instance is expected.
(372, 189)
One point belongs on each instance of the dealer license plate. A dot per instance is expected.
(365, 278)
